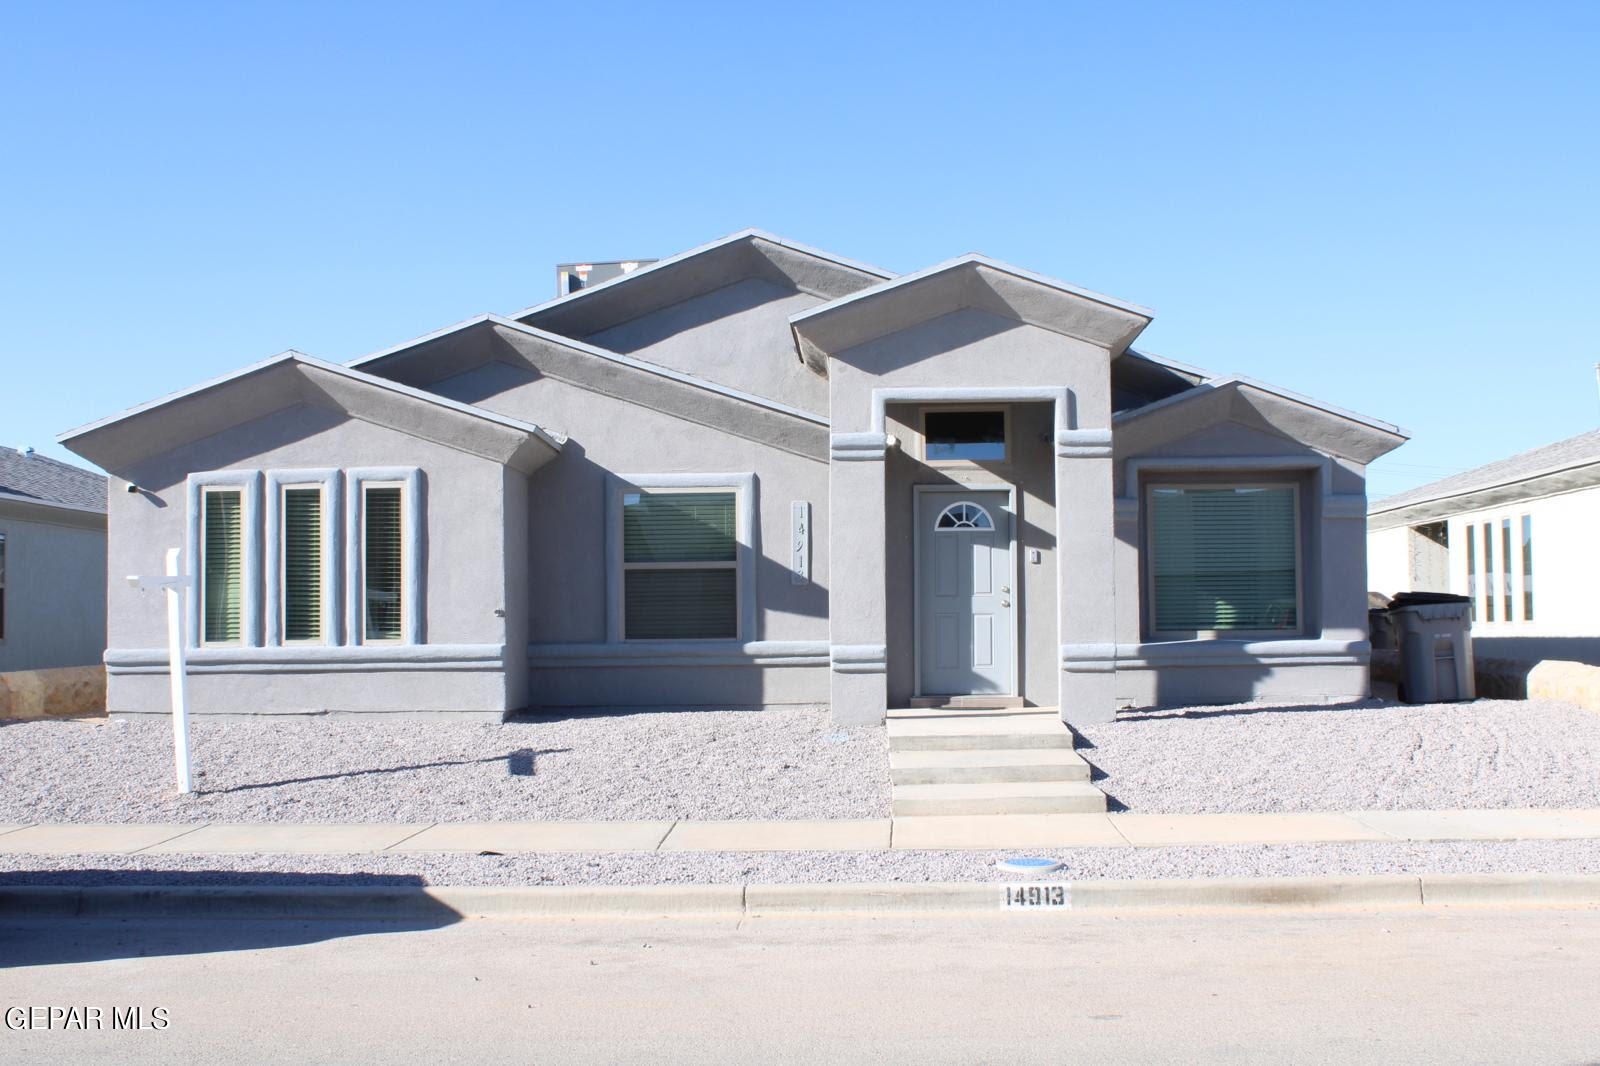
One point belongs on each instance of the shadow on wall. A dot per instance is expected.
(373, 903)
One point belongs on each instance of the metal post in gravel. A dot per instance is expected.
(175, 582)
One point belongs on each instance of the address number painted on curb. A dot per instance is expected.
(1035, 897)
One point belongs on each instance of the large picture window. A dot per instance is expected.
(680, 573)
(1224, 559)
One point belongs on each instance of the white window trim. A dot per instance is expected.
(248, 485)
(964, 408)
(744, 490)
(278, 481)
(357, 480)
(1149, 563)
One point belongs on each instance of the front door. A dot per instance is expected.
(965, 615)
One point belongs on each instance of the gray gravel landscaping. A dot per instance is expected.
(810, 867)
(1365, 756)
(349, 768)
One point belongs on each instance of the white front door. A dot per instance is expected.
(965, 606)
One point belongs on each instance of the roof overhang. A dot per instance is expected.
(1550, 482)
(294, 378)
(746, 254)
(1325, 429)
(972, 281)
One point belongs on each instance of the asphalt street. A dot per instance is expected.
(1471, 985)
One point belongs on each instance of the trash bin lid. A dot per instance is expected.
(1413, 599)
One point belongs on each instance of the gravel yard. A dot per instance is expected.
(344, 768)
(806, 867)
(1365, 756)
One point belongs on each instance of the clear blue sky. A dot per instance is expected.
(1394, 208)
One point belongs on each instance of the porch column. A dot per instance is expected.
(1086, 561)
(857, 618)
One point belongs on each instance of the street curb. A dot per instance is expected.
(442, 905)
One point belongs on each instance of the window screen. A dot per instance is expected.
(680, 566)
(1224, 559)
(302, 564)
(383, 549)
(223, 565)
(970, 435)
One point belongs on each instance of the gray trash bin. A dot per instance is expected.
(1434, 632)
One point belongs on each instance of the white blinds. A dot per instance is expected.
(302, 564)
(679, 552)
(224, 552)
(1224, 558)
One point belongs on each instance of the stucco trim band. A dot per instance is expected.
(1083, 443)
(313, 659)
(675, 653)
(859, 658)
(1099, 658)
(858, 447)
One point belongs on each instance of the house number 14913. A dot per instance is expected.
(1030, 897)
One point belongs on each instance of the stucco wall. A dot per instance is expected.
(737, 336)
(568, 577)
(55, 588)
(463, 587)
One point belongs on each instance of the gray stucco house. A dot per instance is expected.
(52, 563)
(750, 474)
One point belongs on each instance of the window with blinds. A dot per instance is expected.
(382, 550)
(1224, 559)
(2, 586)
(302, 564)
(222, 566)
(680, 566)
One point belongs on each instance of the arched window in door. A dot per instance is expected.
(962, 516)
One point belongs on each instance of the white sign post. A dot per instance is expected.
(175, 583)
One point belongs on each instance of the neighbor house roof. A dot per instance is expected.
(970, 281)
(32, 478)
(1560, 467)
(292, 378)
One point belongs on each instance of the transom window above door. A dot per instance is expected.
(963, 515)
(964, 436)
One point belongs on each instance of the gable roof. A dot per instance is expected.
(747, 253)
(1322, 427)
(292, 378)
(1559, 467)
(969, 281)
(33, 478)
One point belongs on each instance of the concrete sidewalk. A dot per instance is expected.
(924, 833)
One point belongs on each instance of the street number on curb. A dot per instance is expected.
(1026, 897)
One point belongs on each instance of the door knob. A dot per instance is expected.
(1006, 589)
(1005, 603)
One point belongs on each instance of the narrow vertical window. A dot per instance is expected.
(1488, 572)
(2, 586)
(222, 566)
(1472, 566)
(382, 550)
(1505, 564)
(1527, 568)
(302, 564)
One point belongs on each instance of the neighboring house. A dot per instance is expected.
(52, 563)
(1485, 533)
(750, 474)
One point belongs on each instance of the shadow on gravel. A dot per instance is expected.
(519, 763)
(133, 914)
(1240, 712)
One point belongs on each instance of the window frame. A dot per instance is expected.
(2, 586)
(1148, 562)
(1008, 443)
(248, 484)
(412, 584)
(743, 488)
(279, 482)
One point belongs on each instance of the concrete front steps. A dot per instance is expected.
(986, 760)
